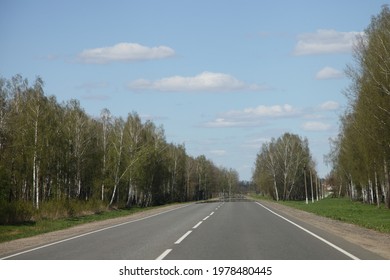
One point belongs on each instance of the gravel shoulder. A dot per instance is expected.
(371, 240)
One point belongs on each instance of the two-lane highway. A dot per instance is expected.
(219, 230)
(247, 230)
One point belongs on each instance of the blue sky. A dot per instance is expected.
(222, 77)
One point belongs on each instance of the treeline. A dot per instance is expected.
(285, 170)
(360, 156)
(56, 152)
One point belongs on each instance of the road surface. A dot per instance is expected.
(205, 231)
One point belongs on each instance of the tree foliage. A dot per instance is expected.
(360, 155)
(280, 166)
(56, 152)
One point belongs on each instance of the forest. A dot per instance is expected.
(54, 156)
(360, 155)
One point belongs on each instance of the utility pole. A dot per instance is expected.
(304, 175)
(311, 184)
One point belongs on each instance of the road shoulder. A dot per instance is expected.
(18, 245)
(371, 240)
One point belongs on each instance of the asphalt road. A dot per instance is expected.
(205, 231)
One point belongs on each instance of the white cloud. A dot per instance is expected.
(205, 81)
(329, 106)
(223, 122)
(327, 73)
(124, 52)
(325, 41)
(316, 126)
(256, 116)
(265, 111)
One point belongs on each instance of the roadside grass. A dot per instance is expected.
(28, 229)
(343, 209)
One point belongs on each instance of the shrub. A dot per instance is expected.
(16, 212)
(59, 209)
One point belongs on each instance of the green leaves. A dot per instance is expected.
(361, 154)
(55, 152)
(280, 165)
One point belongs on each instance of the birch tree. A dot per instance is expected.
(116, 155)
(265, 168)
(134, 130)
(364, 152)
(78, 131)
(105, 117)
(56, 152)
(279, 166)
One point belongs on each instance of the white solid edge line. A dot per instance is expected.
(88, 233)
(183, 237)
(163, 255)
(313, 234)
(198, 224)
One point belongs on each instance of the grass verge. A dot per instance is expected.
(364, 215)
(28, 229)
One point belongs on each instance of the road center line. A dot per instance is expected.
(198, 224)
(212, 213)
(163, 255)
(183, 237)
(312, 233)
(206, 218)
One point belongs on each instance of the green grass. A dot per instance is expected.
(11, 232)
(368, 216)
(343, 209)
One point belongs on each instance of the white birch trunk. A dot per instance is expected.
(118, 164)
(371, 192)
(311, 186)
(105, 116)
(35, 166)
(130, 194)
(276, 189)
(378, 200)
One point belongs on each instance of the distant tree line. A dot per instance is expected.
(360, 155)
(284, 170)
(57, 152)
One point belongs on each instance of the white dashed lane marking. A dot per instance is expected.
(198, 224)
(163, 255)
(183, 237)
(166, 252)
